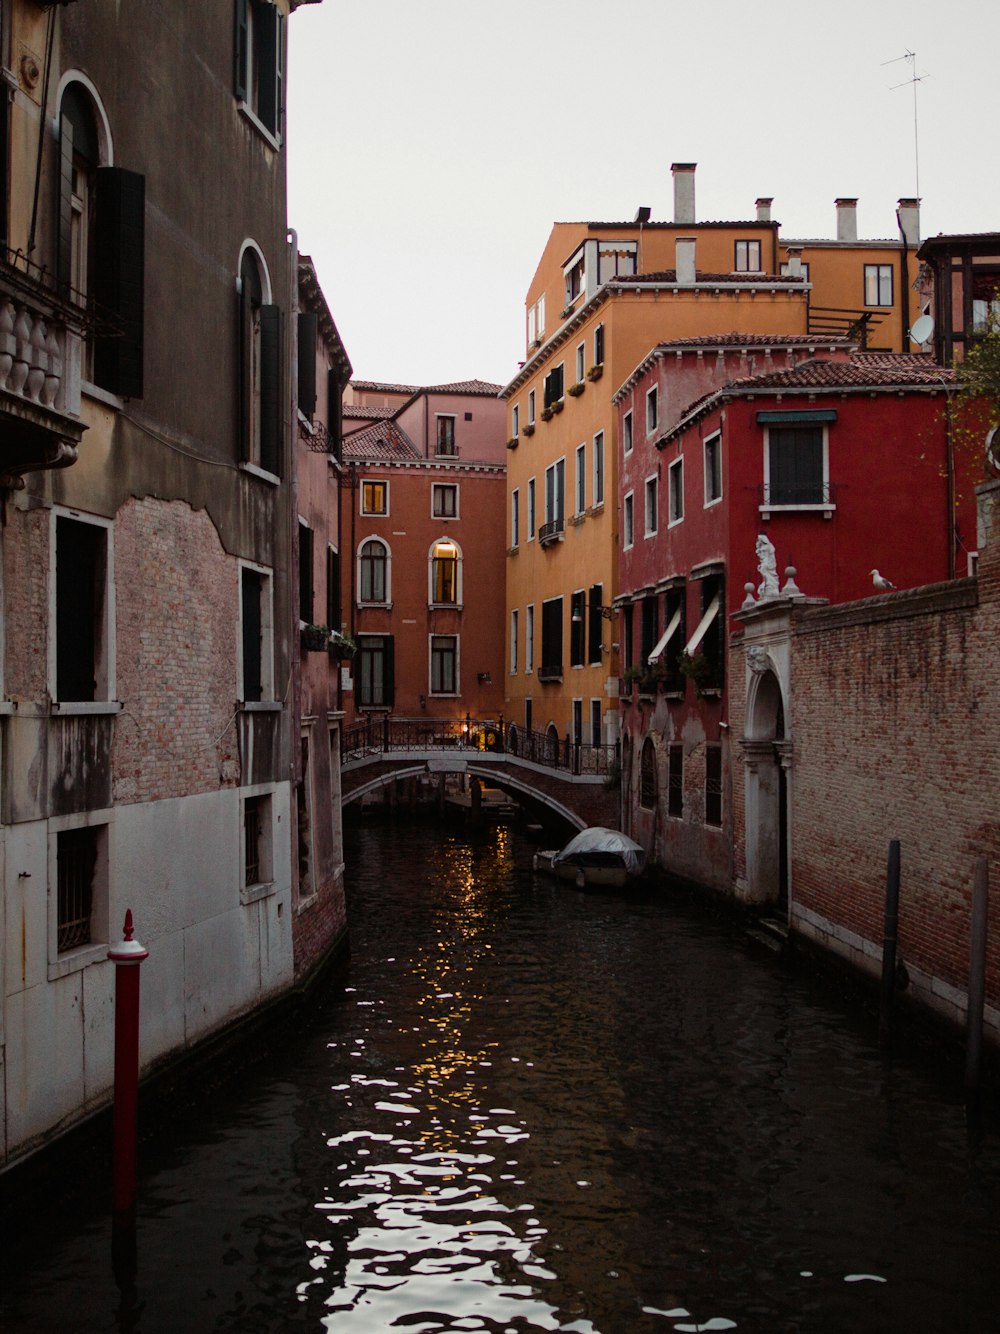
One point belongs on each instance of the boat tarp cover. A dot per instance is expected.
(598, 846)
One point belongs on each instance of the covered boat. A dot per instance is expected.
(595, 856)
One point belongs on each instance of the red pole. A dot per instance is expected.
(127, 955)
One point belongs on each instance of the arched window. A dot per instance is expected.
(647, 775)
(373, 571)
(445, 574)
(260, 367)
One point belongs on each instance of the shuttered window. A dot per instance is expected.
(308, 331)
(795, 465)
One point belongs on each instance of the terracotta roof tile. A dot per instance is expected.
(757, 340)
(366, 412)
(483, 387)
(709, 279)
(383, 441)
(382, 386)
(865, 370)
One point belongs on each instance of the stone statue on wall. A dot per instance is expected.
(767, 566)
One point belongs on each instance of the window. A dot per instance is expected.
(598, 469)
(555, 493)
(747, 257)
(713, 784)
(878, 284)
(334, 611)
(675, 491)
(616, 259)
(100, 242)
(444, 665)
(713, 468)
(581, 362)
(446, 435)
(256, 637)
(599, 345)
(577, 628)
(536, 321)
(652, 409)
(444, 500)
(709, 638)
(305, 573)
(575, 275)
(375, 683)
(306, 342)
(578, 722)
(627, 433)
(650, 628)
(373, 571)
(531, 407)
(257, 867)
(581, 479)
(375, 498)
(513, 641)
(629, 635)
(985, 300)
(529, 638)
(596, 729)
(76, 863)
(671, 644)
(515, 421)
(260, 63)
(647, 775)
(551, 667)
(445, 574)
(675, 781)
(795, 466)
(553, 386)
(260, 369)
(595, 623)
(304, 805)
(651, 511)
(531, 508)
(83, 627)
(515, 517)
(628, 521)
(527, 715)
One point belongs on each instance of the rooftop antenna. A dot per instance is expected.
(914, 79)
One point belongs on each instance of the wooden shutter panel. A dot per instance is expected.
(333, 604)
(308, 332)
(119, 278)
(389, 672)
(64, 204)
(270, 388)
(335, 414)
(269, 32)
(241, 50)
(252, 630)
(305, 574)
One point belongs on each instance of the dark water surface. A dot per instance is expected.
(521, 1107)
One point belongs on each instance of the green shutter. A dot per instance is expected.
(119, 278)
(270, 388)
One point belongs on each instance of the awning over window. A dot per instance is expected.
(664, 639)
(712, 611)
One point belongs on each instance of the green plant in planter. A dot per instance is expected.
(314, 638)
(632, 674)
(341, 646)
(697, 668)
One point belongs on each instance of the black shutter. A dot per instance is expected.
(595, 624)
(389, 671)
(4, 193)
(270, 66)
(333, 606)
(241, 50)
(64, 204)
(119, 278)
(335, 413)
(79, 569)
(270, 388)
(244, 315)
(308, 332)
(305, 574)
(252, 627)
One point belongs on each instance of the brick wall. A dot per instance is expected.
(26, 600)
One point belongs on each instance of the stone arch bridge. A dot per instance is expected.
(551, 778)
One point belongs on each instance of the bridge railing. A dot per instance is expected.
(377, 734)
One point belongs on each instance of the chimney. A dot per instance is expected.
(684, 192)
(794, 268)
(764, 210)
(908, 216)
(642, 214)
(847, 219)
(684, 261)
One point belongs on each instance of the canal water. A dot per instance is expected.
(520, 1107)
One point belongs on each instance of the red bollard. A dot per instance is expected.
(127, 955)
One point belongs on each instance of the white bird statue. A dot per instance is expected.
(881, 582)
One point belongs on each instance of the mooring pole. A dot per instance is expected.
(889, 937)
(977, 975)
(127, 955)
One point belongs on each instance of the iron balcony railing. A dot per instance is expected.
(551, 531)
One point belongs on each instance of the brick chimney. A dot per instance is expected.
(847, 219)
(684, 261)
(683, 173)
(908, 214)
(764, 210)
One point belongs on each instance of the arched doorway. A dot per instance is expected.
(767, 755)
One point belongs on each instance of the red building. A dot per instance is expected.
(423, 513)
(842, 463)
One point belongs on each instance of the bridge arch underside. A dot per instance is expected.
(526, 788)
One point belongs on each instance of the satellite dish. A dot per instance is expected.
(922, 329)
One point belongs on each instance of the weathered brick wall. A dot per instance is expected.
(26, 599)
(320, 922)
(177, 607)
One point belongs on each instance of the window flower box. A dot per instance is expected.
(596, 372)
(529, 429)
(546, 414)
(314, 638)
(341, 646)
(575, 390)
(512, 443)
(557, 406)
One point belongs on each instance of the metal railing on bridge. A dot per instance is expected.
(379, 734)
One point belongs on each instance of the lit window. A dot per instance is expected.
(445, 569)
(375, 498)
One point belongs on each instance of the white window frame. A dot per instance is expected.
(826, 508)
(652, 409)
(440, 453)
(529, 639)
(515, 518)
(106, 663)
(628, 521)
(581, 362)
(532, 514)
(387, 600)
(750, 246)
(438, 488)
(598, 471)
(714, 439)
(450, 541)
(558, 468)
(515, 421)
(370, 513)
(96, 949)
(881, 271)
(651, 505)
(675, 492)
(580, 481)
(444, 694)
(267, 884)
(531, 407)
(514, 618)
(596, 721)
(628, 433)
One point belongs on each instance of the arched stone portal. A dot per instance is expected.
(767, 755)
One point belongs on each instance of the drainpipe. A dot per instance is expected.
(294, 652)
(904, 282)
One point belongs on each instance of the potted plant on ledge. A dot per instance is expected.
(697, 668)
(314, 638)
(341, 646)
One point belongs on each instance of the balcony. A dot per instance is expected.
(551, 532)
(41, 353)
(553, 672)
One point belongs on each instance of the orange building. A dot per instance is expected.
(603, 295)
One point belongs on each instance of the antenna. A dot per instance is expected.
(914, 79)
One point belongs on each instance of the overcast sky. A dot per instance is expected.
(432, 143)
